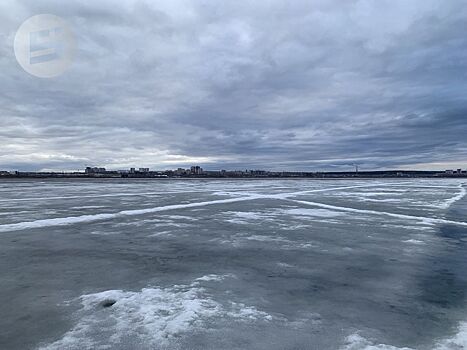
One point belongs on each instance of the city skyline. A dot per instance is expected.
(198, 172)
(380, 84)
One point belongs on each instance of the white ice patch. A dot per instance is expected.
(357, 342)
(456, 342)
(213, 278)
(282, 264)
(155, 317)
(379, 200)
(181, 217)
(252, 215)
(322, 213)
(88, 207)
(161, 233)
(422, 219)
(65, 221)
(375, 194)
(241, 311)
(414, 241)
(261, 238)
(446, 204)
(71, 220)
(103, 233)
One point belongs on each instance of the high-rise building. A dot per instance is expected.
(196, 170)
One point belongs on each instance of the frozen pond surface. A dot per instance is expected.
(233, 264)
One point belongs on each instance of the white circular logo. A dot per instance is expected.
(44, 46)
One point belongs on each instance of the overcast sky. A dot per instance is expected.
(302, 84)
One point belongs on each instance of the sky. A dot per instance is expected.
(271, 84)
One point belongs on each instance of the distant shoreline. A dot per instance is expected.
(309, 176)
(196, 172)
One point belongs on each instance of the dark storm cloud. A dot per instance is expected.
(310, 85)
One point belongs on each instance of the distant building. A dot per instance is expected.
(181, 171)
(94, 170)
(196, 170)
(144, 170)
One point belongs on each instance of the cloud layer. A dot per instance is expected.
(309, 85)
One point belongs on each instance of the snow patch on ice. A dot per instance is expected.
(214, 278)
(156, 317)
(357, 342)
(282, 264)
(414, 241)
(456, 342)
